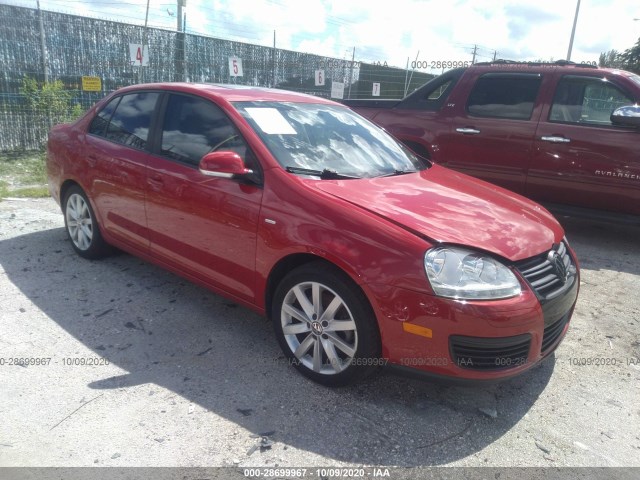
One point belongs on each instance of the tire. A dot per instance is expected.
(82, 226)
(309, 306)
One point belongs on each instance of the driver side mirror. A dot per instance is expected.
(223, 164)
(628, 116)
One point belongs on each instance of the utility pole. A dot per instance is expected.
(573, 31)
(145, 39)
(179, 15)
(273, 60)
(408, 84)
(495, 54)
(180, 57)
(43, 46)
(475, 51)
(406, 77)
(353, 57)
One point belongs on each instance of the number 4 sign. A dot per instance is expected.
(235, 66)
(139, 55)
(376, 90)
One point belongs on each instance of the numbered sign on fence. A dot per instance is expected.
(138, 55)
(235, 66)
(376, 90)
(319, 78)
(337, 90)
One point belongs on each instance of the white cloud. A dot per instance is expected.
(393, 32)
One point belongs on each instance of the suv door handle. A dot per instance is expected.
(555, 139)
(155, 181)
(468, 131)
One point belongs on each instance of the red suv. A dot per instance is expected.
(359, 251)
(566, 135)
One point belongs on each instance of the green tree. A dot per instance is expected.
(609, 59)
(48, 100)
(630, 58)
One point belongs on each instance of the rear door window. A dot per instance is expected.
(101, 120)
(504, 95)
(131, 120)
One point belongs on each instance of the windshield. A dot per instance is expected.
(317, 137)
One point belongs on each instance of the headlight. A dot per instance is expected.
(459, 273)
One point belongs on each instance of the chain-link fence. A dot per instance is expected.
(45, 56)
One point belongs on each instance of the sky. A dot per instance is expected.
(394, 32)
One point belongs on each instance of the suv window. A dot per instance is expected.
(436, 93)
(586, 100)
(432, 95)
(195, 126)
(130, 122)
(501, 95)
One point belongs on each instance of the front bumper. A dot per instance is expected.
(471, 340)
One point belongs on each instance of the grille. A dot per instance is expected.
(478, 353)
(544, 275)
(552, 332)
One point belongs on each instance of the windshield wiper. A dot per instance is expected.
(325, 174)
(397, 172)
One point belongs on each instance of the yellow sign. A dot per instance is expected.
(91, 84)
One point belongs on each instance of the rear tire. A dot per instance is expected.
(325, 325)
(82, 226)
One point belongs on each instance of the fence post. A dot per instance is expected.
(43, 46)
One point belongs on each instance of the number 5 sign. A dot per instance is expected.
(235, 66)
(138, 55)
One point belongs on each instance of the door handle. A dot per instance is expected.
(555, 139)
(468, 131)
(155, 181)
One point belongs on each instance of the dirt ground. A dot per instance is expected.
(139, 367)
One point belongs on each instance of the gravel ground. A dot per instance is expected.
(183, 377)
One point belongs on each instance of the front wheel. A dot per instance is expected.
(325, 325)
(82, 226)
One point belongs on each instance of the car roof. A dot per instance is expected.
(562, 65)
(232, 93)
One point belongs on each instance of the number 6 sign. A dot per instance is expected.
(319, 78)
(235, 67)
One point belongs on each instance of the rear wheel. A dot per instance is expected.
(82, 226)
(325, 325)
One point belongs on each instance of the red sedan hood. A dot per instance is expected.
(451, 207)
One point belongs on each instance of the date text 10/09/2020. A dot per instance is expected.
(322, 472)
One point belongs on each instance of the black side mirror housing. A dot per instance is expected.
(627, 116)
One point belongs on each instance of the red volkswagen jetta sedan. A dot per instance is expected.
(360, 252)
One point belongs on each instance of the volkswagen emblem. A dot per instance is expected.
(316, 327)
(558, 266)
